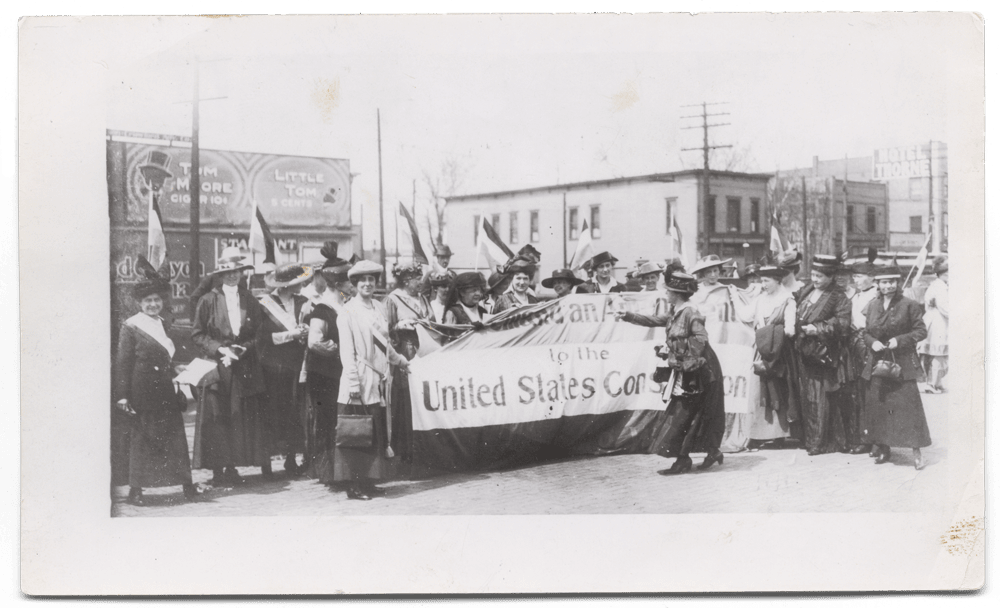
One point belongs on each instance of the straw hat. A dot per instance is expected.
(231, 259)
(288, 275)
(364, 267)
(709, 261)
(681, 282)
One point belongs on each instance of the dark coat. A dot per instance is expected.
(903, 320)
(212, 330)
(509, 300)
(831, 316)
(287, 356)
(143, 373)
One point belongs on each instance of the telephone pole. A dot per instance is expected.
(705, 231)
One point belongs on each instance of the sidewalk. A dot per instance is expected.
(747, 482)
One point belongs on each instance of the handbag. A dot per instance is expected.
(885, 368)
(355, 430)
(814, 351)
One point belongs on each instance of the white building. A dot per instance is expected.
(629, 216)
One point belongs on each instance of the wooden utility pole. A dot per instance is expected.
(806, 257)
(194, 261)
(381, 210)
(705, 231)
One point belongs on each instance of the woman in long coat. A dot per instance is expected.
(696, 416)
(323, 369)
(366, 354)
(777, 414)
(894, 416)
(935, 347)
(404, 306)
(230, 429)
(144, 389)
(823, 321)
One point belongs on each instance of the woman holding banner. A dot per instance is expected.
(517, 294)
(696, 416)
(363, 433)
(323, 369)
(464, 299)
(404, 307)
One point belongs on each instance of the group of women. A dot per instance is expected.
(325, 375)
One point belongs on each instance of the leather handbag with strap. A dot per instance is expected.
(355, 429)
(884, 368)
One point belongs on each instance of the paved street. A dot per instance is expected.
(748, 482)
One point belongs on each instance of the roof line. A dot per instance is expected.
(653, 177)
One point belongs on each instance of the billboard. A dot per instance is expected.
(291, 191)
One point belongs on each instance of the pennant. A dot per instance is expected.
(156, 250)
(261, 238)
(497, 253)
(675, 235)
(418, 251)
(921, 261)
(584, 248)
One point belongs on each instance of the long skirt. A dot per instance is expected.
(284, 421)
(695, 424)
(777, 410)
(822, 425)
(358, 464)
(158, 450)
(228, 431)
(894, 415)
(849, 404)
(321, 421)
(402, 420)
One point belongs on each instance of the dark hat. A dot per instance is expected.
(709, 261)
(529, 252)
(469, 279)
(443, 250)
(789, 259)
(155, 169)
(150, 281)
(521, 266)
(336, 274)
(231, 259)
(288, 275)
(888, 272)
(681, 282)
(561, 274)
(773, 272)
(602, 258)
(495, 281)
(941, 264)
(754, 270)
(330, 258)
(827, 264)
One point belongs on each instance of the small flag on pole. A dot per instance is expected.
(418, 251)
(497, 253)
(584, 248)
(156, 251)
(675, 235)
(261, 238)
(779, 244)
(921, 261)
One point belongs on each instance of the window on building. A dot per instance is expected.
(917, 224)
(574, 223)
(850, 219)
(671, 210)
(710, 226)
(755, 215)
(533, 230)
(595, 221)
(495, 222)
(872, 226)
(733, 223)
(513, 227)
(918, 188)
(475, 229)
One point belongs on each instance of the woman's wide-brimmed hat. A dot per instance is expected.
(648, 268)
(288, 275)
(365, 267)
(709, 261)
(941, 264)
(888, 273)
(336, 274)
(827, 264)
(440, 280)
(561, 274)
(231, 259)
(494, 282)
(521, 267)
(406, 272)
(602, 258)
(681, 282)
(789, 260)
(773, 272)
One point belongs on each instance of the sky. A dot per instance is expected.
(521, 101)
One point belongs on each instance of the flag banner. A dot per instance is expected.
(584, 248)
(418, 251)
(921, 261)
(156, 250)
(778, 244)
(261, 239)
(496, 252)
(557, 378)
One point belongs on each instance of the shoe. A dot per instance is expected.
(713, 457)
(681, 465)
(375, 491)
(292, 468)
(357, 494)
(918, 460)
(135, 497)
(859, 449)
(193, 491)
(233, 477)
(884, 453)
(815, 451)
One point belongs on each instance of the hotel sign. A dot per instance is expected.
(900, 163)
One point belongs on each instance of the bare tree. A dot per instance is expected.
(447, 181)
